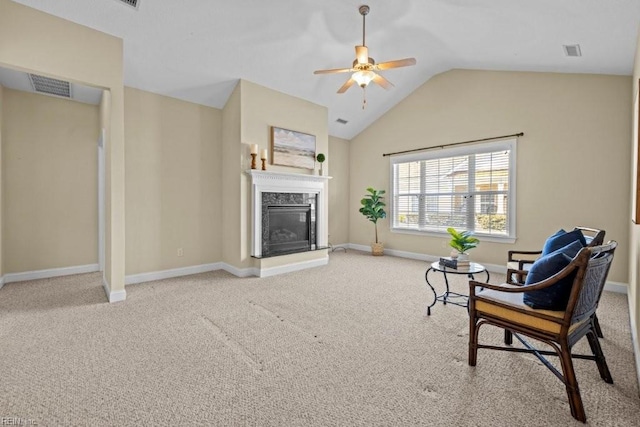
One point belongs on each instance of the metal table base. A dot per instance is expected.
(448, 296)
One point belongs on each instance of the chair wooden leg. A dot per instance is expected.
(597, 327)
(473, 340)
(508, 337)
(594, 343)
(571, 383)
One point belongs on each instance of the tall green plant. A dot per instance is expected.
(373, 207)
(462, 241)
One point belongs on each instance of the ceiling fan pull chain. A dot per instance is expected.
(364, 97)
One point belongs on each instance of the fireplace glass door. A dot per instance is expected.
(289, 229)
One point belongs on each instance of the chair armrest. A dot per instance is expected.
(504, 287)
(523, 256)
(512, 273)
(510, 287)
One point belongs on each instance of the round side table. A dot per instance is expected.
(448, 296)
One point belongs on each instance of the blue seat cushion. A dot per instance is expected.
(556, 296)
(561, 239)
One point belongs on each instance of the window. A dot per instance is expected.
(470, 188)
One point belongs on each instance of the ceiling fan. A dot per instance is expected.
(364, 67)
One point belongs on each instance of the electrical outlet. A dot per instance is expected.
(180, 252)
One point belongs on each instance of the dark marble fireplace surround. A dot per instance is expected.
(288, 223)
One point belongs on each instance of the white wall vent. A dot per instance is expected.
(132, 3)
(50, 86)
(342, 121)
(572, 50)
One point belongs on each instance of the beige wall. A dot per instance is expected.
(231, 170)
(634, 232)
(35, 41)
(338, 157)
(1, 186)
(105, 131)
(50, 182)
(246, 119)
(572, 163)
(173, 183)
(262, 108)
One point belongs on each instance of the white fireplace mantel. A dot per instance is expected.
(284, 182)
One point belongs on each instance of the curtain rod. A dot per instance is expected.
(454, 143)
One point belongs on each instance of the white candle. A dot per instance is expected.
(254, 148)
(263, 155)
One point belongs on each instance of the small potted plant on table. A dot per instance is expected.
(321, 158)
(373, 209)
(461, 242)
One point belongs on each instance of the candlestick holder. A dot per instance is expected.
(253, 160)
(264, 164)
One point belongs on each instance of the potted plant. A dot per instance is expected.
(373, 209)
(461, 242)
(321, 158)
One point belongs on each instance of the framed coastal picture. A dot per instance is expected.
(291, 148)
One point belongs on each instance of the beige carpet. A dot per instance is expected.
(348, 344)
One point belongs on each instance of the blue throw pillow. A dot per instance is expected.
(554, 297)
(572, 249)
(561, 239)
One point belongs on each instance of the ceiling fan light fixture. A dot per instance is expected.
(363, 70)
(363, 77)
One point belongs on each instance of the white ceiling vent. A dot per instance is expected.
(132, 3)
(342, 121)
(572, 50)
(50, 86)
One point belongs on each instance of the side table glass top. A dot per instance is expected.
(472, 268)
(449, 296)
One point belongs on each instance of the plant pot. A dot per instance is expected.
(463, 257)
(377, 249)
(321, 172)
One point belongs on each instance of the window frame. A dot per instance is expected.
(447, 152)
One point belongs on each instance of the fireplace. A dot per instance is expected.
(288, 229)
(288, 215)
(288, 223)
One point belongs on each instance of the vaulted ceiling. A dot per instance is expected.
(196, 50)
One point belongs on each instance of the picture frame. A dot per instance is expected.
(292, 148)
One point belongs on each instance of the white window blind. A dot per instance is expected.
(466, 187)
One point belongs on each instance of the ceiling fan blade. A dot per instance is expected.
(333, 71)
(362, 54)
(379, 80)
(396, 64)
(346, 85)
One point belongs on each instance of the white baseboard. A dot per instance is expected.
(174, 272)
(493, 268)
(113, 296)
(617, 287)
(240, 272)
(273, 271)
(1, 282)
(621, 288)
(635, 339)
(52, 272)
(363, 248)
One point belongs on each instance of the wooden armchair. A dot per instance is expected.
(502, 306)
(520, 262)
